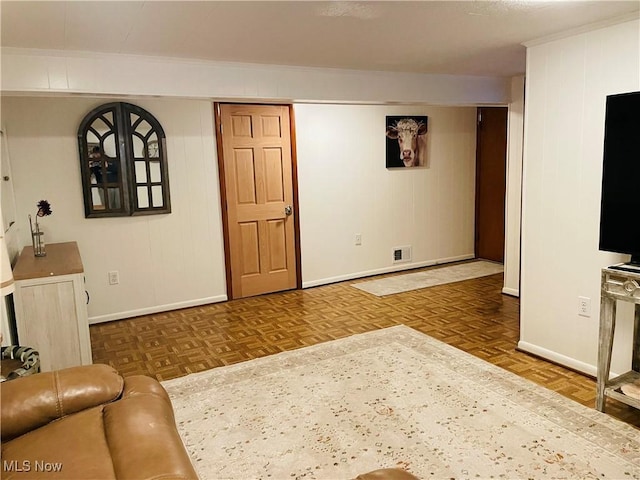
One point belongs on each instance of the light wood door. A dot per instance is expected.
(491, 156)
(258, 184)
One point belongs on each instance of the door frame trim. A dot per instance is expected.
(223, 192)
(476, 234)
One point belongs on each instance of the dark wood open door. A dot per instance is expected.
(491, 156)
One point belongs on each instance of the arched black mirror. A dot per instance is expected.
(123, 162)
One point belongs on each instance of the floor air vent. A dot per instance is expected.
(402, 254)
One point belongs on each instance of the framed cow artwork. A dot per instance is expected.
(406, 141)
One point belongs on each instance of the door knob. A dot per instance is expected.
(288, 210)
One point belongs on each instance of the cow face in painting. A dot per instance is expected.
(406, 131)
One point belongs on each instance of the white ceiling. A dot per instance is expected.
(444, 37)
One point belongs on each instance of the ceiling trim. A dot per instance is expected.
(627, 17)
(84, 54)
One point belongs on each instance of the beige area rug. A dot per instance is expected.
(391, 398)
(429, 278)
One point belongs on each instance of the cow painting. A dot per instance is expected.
(406, 141)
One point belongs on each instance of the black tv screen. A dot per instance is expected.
(620, 204)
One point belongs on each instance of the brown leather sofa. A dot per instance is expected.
(89, 423)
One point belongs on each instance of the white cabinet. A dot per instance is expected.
(50, 304)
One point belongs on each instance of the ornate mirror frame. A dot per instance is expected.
(123, 162)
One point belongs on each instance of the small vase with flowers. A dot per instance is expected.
(37, 236)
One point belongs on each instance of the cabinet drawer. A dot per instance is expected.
(621, 286)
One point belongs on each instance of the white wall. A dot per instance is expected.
(434, 215)
(165, 261)
(345, 189)
(169, 261)
(50, 72)
(567, 82)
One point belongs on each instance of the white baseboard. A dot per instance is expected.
(313, 283)
(561, 359)
(156, 309)
(381, 271)
(459, 258)
(514, 292)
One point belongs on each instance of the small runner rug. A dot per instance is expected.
(391, 398)
(429, 278)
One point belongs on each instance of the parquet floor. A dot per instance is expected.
(472, 315)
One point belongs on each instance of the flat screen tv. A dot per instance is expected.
(620, 203)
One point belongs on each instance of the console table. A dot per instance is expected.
(617, 285)
(51, 306)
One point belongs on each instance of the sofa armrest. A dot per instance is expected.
(31, 402)
(144, 418)
(142, 385)
(387, 474)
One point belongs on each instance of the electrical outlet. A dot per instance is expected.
(358, 239)
(114, 278)
(584, 306)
